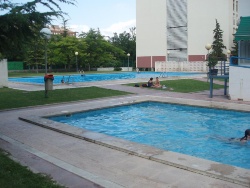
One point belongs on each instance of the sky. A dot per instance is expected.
(244, 7)
(110, 16)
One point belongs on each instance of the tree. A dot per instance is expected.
(217, 46)
(34, 53)
(22, 22)
(126, 42)
(63, 50)
(234, 51)
(99, 51)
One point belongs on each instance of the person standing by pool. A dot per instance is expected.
(247, 135)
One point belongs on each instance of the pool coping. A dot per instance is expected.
(197, 165)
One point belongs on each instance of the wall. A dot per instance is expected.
(173, 66)
(201, 23)
(112, 69)
(239, 88)
(150, 29)
(177, 24)
(3, 73)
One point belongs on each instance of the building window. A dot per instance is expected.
(236, 6)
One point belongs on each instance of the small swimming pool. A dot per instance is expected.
(100, 77)
(201, 132)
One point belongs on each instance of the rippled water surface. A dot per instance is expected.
(202, 132)
(100, 77)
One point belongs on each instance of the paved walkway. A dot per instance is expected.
(75, 162)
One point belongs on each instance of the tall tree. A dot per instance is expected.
(22, 22)
(234, 51)
(127, 42)
(99, 51)
(63, 50)
(218, 46)
(34, 54)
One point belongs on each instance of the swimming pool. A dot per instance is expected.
(100, 77)
(195, 131)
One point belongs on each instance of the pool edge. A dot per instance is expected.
(239, 176)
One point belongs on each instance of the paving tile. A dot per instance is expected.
(109, 166)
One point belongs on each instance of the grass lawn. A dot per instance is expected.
(12, 174)
(11, 98)
(184, 85)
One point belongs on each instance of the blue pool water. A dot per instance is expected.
(200, 132)
(100, 77)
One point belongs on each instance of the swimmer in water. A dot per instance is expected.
(247, 136)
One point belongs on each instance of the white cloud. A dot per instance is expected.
(79, 28)
(118, 28)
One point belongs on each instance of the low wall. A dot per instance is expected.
(239, 88)
(3, 73)
(106, 69)
(174, 66)
(112, 69)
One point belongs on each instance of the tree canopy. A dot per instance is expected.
(22, 22)
(20, 39)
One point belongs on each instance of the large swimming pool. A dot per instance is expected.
(100, 77)
(201, 132)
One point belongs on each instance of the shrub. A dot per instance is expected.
(117, 69)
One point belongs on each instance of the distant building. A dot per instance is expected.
(178, 30)
(57, 30)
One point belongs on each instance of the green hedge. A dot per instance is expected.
(15, 65)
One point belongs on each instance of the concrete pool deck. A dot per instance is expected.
(101, 160)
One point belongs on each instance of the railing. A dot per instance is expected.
(236, 61)
(68, 80)
(223, 67)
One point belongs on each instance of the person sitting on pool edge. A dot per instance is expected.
(157, 83)
(149, 84)
(247, 135)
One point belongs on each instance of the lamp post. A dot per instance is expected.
(168, 54)
(228, 53)
(128, 60)
(46, 34)
(208, 47)
(76, 53)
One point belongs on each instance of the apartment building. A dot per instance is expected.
(57, 30)
(178, 30)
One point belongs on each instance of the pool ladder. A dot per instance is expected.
(163, 74)
(67, 81)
